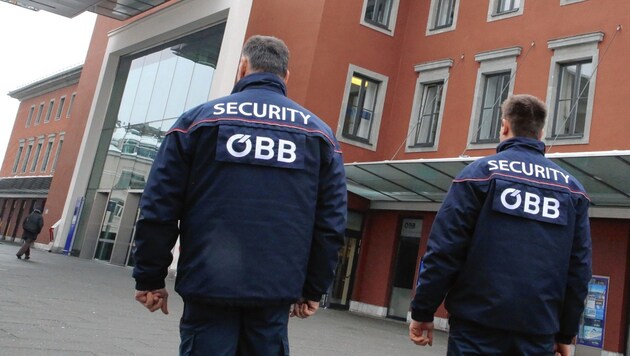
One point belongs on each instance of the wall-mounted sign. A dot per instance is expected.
(591, 331)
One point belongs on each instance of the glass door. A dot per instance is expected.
(340, 291)
(405, 268)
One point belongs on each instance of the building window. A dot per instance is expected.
(380, 15)
(494, 93)
(428, 107)
(572, 81)
(49, 146)
(39, 114)
(74, 95)
(30, 116)
(572, 99)
(57, 153)
(428, 116)
(442, 16)
(501, 9)
(362, 107)
(62, 101)
(27, 156)
(49, 112)
(38, 150)
(494, 85)
(17, 157)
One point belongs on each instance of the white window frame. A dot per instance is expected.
(389, 30)
(378, 108)
(57, 152)
(27, 157)
(49, 147)
(494, 16)
(433, 13)
(566, 50)
(70, 104)
(60, 108)
(40, 112)
(38, 152)
(18, 156)
(428, 73)
(569, 2)
(29, 119)
(490, 62)
(51, 106)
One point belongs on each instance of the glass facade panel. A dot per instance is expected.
(154, 88)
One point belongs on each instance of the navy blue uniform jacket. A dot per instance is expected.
(254, 185)
(510, 245)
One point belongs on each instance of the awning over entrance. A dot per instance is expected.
(25, 187)
(605, 176)
(117, 9)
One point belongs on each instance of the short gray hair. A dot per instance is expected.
(267, 54)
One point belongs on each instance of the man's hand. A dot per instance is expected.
(304, 308)
(153, 300)
(416, 333)
(562, 349)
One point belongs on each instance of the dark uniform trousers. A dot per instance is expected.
(219, 330)
(468, 338)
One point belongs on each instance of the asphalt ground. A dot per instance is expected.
(54, 305)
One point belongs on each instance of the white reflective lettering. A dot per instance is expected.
(219, 109)
(242, 139)
(513, 193)
(264, 148)
(232, 108)
(531, 205)
(503, 165)
(286, 151)
(551, 208)
(241, 108)
(493, 165)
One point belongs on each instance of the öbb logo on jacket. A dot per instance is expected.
(259, 146)
(531, 202)
(264, 148)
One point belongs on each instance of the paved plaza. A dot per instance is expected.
(58, 305)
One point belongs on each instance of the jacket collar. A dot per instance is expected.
(522, 143)
(261, 80)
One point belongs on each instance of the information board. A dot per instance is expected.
(591, 331)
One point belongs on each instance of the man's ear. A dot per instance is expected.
(286, 77)
(242, 68)
(505, 127)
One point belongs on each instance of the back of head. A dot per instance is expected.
(526, 114)
(267, 54)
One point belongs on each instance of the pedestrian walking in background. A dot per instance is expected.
(32, 225)
(254, 186)
(510, 249)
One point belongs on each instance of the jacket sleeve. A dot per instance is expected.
(160, 210)
(329, 229)
(446, 249)
(580, 272)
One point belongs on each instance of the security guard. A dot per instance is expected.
(510, 249)
(254, 186)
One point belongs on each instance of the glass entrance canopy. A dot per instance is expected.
(117, 9)
(605, 176)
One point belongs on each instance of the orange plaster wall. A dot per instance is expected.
(610, 258)
(375, 260)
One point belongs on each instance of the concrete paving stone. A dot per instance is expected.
(59, 305)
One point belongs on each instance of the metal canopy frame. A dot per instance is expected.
(605, 176)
